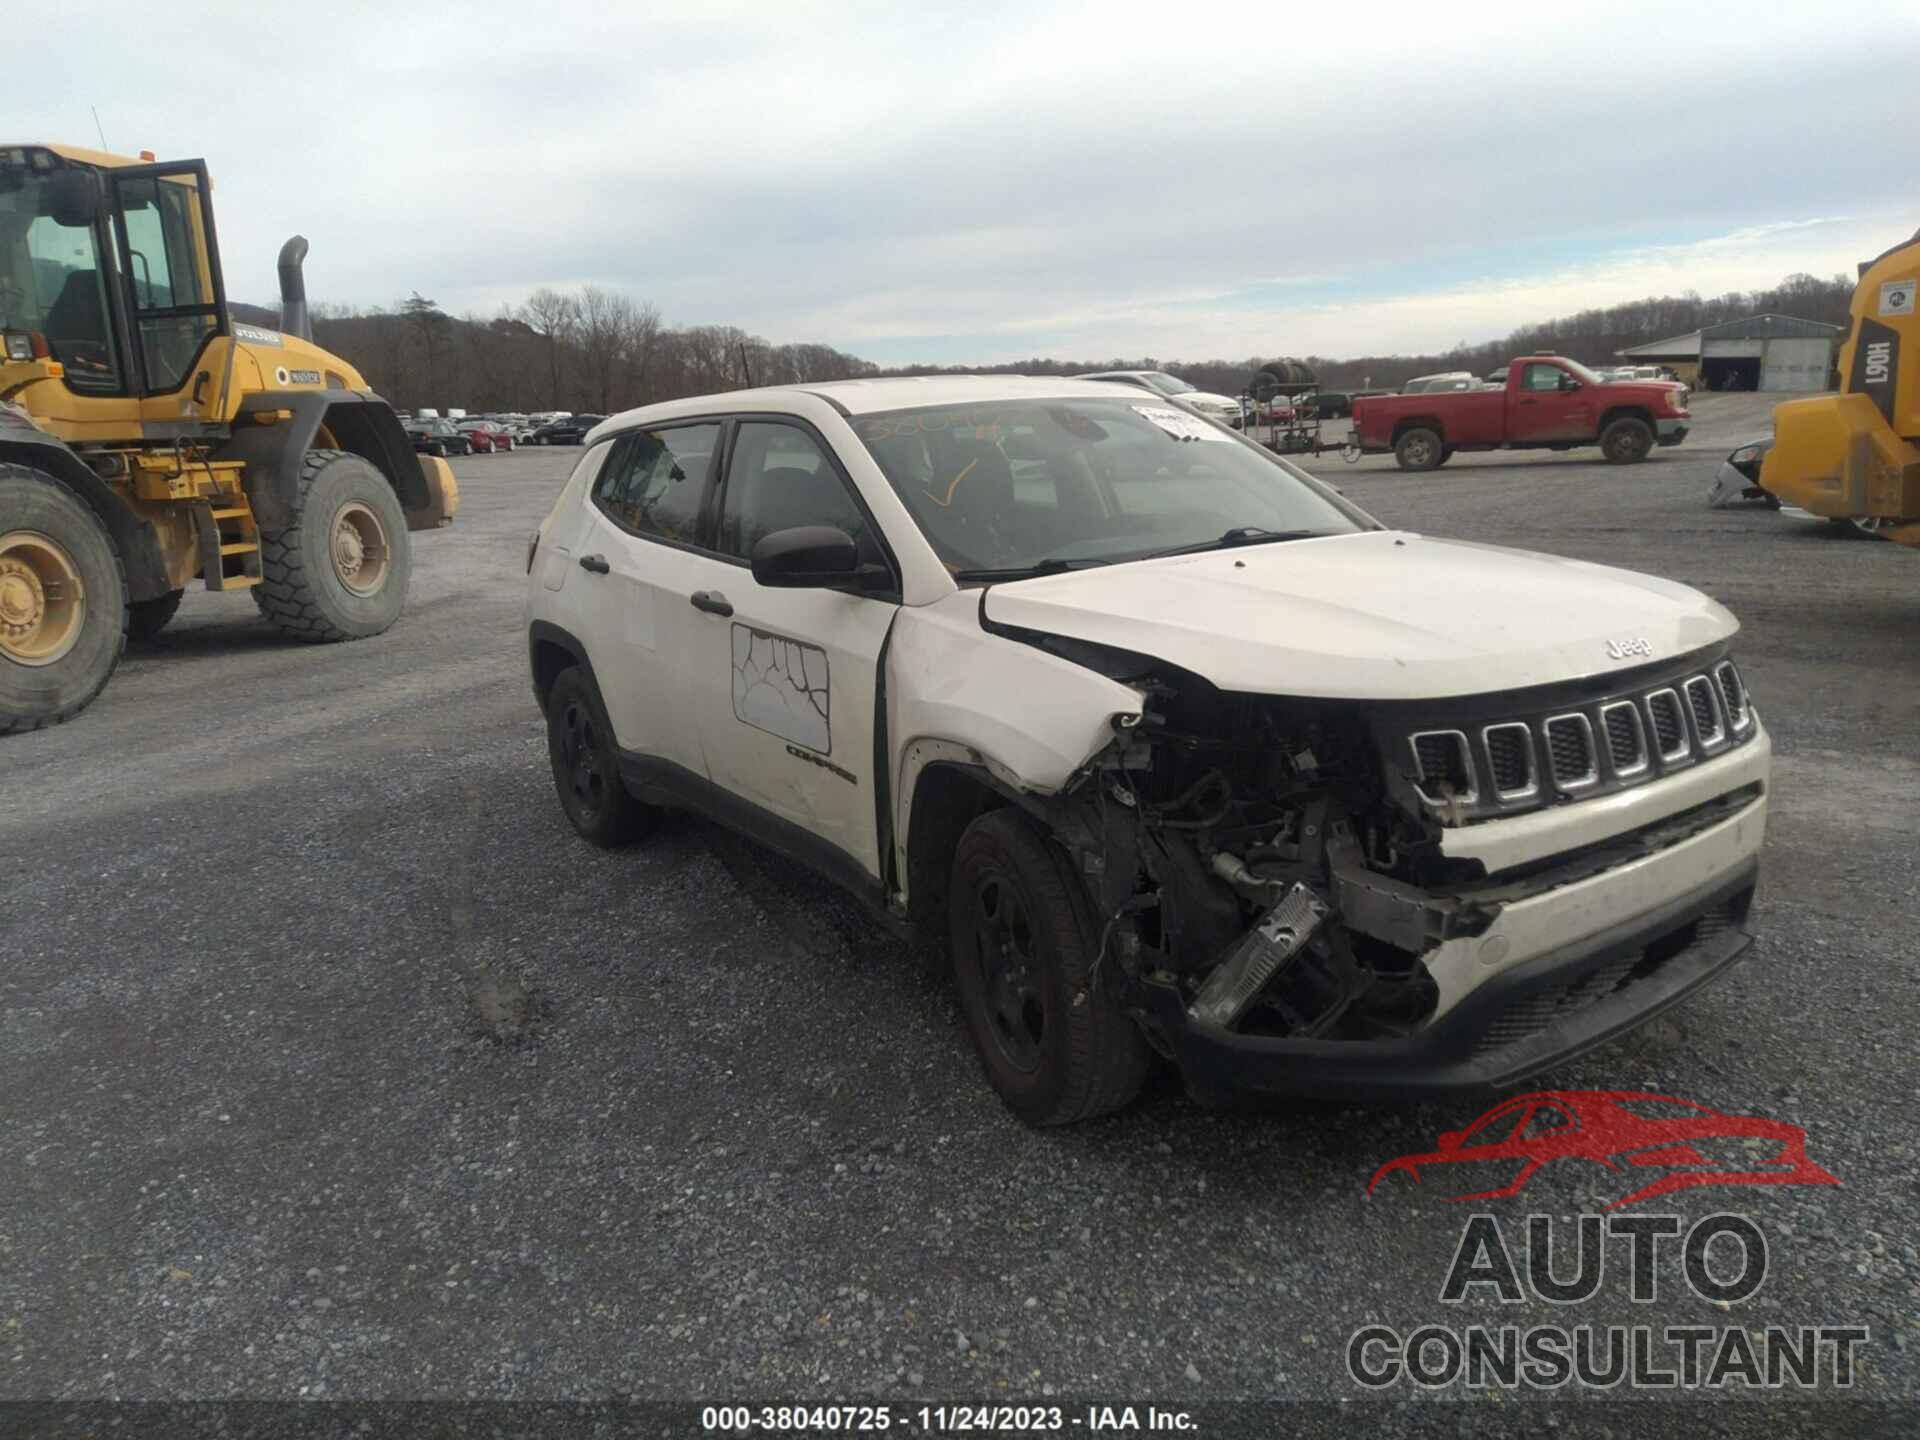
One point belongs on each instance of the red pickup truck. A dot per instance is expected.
(1548, 403)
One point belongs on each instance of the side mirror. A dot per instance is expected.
(1568, 383)
(814, 557)
(73, 198)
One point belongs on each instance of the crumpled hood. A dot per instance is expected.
(1382, 615)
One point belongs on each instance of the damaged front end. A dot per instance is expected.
(1279, 907)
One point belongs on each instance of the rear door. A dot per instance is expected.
(1549, 404)
(639, 560)
(784, 680)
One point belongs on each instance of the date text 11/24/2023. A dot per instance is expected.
(940, 1419)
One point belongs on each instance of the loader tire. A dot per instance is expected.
(63, 601)
(147, 618)
(1418, 449)
(339, 571)
(1626, 441)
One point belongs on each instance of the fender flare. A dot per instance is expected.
(360, 422)
(544, 639)
(24, 443)
(1626, 410)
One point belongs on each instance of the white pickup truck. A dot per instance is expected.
(1173, 749)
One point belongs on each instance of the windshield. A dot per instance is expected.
(1167, 384)
(1581, 372)
(51, 278)
(1012, 485)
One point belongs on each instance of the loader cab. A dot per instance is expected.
(110, 271)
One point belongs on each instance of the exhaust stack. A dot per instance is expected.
(294, 319)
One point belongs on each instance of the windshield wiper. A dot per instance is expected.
(1239, 535)
(1051, 566)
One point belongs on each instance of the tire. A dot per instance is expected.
(1626, 441)
(312, 593)
(1055, 1046)
(1861, 527)
(1418, 449)
(147, 618)
(1446, 454)
(56, 651)
(586, 774)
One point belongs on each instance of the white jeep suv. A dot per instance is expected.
(1172, 748)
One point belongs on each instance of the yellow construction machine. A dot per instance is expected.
(148, 441)
(1853, 456)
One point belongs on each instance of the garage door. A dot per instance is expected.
(1795, 365)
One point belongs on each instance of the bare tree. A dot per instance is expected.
(551, 316)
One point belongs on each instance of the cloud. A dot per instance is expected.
(910, 181)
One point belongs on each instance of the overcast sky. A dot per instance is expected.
(968, 183)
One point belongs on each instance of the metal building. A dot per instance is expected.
(1761, 352)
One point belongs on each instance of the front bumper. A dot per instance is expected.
(1672, 432)
(1566, 997)
(1733, 486)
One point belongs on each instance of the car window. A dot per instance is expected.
(1496, 1129)
(1661, 1107)
(655, 481)
(1546, 1120)
(1541, 377)
(779, 477)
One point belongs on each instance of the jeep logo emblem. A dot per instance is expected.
(1627, 649)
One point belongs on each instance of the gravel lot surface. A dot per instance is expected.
(335, 1066)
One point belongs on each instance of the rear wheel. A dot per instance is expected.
(63, 601)
(1626, 441)
(1418, 449)
(1446, 453)
(147, 618)
(340, 570)
(1055, 1044)
(586, 773)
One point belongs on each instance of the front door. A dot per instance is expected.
(786, 680)
(1550, 404)
(170, 274)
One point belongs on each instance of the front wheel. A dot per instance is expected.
(339, 571)
(1052, 1038)
(63, 601)
(1418, 450)
(1626, 441)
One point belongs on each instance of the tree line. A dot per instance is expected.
(598, 351)
(589, 351)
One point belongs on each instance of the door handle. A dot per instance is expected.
(711, 601)
(595, 563)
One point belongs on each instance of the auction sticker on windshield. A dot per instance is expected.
(1179, 424)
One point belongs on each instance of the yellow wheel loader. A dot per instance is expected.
(148, 441)
(1853, 456)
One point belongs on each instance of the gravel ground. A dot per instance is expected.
(335, 1066)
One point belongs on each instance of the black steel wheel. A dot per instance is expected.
(586, 773)
(1004, 951)
(1051, 1034)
